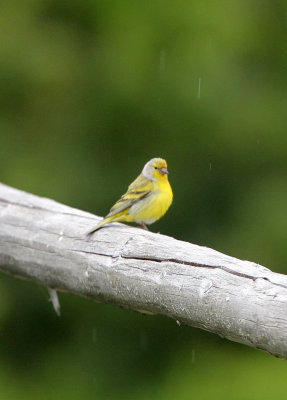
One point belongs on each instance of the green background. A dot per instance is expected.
(90, 91)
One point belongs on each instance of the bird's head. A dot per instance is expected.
(155, 170)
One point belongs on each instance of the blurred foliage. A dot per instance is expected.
(90, 91)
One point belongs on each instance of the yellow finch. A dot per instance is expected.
(147, 198)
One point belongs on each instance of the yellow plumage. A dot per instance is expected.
(147, 198)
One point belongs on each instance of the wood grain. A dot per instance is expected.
(46, 242)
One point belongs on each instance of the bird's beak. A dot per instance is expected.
(163, 171)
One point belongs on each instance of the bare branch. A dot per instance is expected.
(46, 241)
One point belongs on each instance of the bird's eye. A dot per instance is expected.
(155, 167)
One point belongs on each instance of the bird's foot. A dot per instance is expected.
(143, 226)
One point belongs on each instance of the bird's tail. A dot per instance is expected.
(103, 222)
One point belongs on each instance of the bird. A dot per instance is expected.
(147, 199)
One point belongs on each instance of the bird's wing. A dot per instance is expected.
(140, 183)
(138, 190)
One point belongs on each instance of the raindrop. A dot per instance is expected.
(199, 88)
(192, 356)
(162, 60)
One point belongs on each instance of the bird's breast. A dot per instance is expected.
(154, 206)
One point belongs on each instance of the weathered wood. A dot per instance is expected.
(46, 241)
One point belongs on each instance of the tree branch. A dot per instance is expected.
(46, 241)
